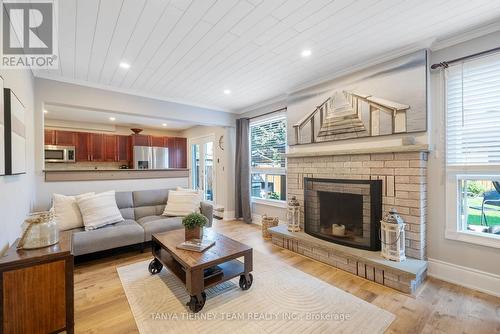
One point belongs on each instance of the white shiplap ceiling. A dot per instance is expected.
(190, 51)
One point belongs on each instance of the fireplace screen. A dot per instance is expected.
(346, 212)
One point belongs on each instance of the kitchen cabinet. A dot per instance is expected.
(65, 138)
(140, 140)
(97, 147)
(177, 152)
(50, 137)
(158, 142)
(110, 148)
(62, 138)
(181, 152)
(123, 148)
(82, 147)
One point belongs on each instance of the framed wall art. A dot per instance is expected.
(385, 99)
(2, 131)
(15, 134)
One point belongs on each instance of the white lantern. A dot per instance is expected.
(293, 215)
(392, 236)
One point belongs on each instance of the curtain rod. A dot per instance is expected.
(445, 64)
(268, 113)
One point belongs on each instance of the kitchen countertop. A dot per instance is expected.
(65, 175)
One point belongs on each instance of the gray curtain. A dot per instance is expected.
(242, 185)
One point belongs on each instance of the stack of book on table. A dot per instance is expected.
(196, 245)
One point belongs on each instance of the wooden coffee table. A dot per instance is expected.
(189, 266)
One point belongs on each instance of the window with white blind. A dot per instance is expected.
(473, 112)
(473, 150)
(267, 158)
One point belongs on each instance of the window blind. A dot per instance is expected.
(268, 143)
(473, 112)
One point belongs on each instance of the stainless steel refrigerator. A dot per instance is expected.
(146, 157)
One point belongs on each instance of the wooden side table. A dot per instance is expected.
(36, 289)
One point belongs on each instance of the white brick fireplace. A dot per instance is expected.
(403, 172)
(403, 176)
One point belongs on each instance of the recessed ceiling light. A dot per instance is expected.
(112, 119)
(124, 65)
(45, 111)
(227, 91)
(306, 53)
(164, 124)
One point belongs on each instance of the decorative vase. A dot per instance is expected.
(39, 230)
(193, 233)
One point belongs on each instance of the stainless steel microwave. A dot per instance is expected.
(55, 153)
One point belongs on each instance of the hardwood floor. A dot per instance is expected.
(439, 307)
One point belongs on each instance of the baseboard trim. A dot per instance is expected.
(229, 215)
(468, 277)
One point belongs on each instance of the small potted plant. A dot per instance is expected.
(193, 225)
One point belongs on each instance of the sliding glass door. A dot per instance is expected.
(202, 166)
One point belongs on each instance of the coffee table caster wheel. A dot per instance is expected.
(155, 267)
(196, 305)
(244, 283)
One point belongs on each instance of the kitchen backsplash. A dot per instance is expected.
(83, 165)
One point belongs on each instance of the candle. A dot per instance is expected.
(338, 229)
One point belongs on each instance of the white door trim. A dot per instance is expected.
(200, 140)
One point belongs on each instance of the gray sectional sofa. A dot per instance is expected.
(142, 213)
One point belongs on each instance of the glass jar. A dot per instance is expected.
(39, 230)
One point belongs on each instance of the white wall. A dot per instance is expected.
(223, 162)
(17, 192)
(454, 252)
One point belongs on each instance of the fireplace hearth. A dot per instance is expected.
(344, 211)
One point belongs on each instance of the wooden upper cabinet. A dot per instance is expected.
(158, 142)
(110, 148)
(50, 137)
(97, 147)
(177, 152)
(172, 158)
(123, 148)
(65, 138)
(182, 152)
(82, 147)
(141, 140)
(62, 138)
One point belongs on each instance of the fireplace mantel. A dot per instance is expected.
(371, 150)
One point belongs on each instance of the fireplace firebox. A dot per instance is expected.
(344, 211)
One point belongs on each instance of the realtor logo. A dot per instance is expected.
(29, 34)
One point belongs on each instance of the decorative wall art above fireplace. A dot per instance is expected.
(386, 99)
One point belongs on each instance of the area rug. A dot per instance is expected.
(282, 299)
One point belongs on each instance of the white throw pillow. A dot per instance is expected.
(99, 210)
(66, 211)
(181, 203)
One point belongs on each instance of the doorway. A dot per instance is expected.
(201, 163)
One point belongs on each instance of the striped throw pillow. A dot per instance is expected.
(181, 203)
(99, 210)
